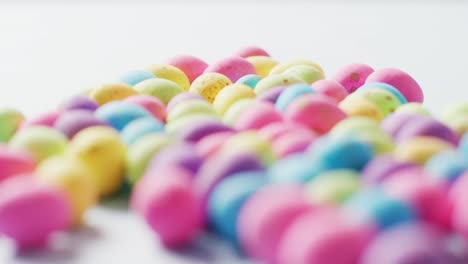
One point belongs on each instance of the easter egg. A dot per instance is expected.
(133, 77)
(250, 141)
(383, 86)
(72, 122)
(229, 95)
(331, 88)
(447, 166)
(249, 80)
(258, 116)
(293, 142)
(252, 51)
(276, 80)
(308, 74)
(262, 64)
(120, 114)
(297, 168)
(10, 120)
(181, 98)
(282, 67)
(183, 155)
(332, 187)
(232, 67)
(15, 162)
(413, 108)
(211, 144)
(353, 76)
(381, 167)
(209, 85)
(385, 101)
(236, 109)
(275, 130)
(179, 125)
(419, 149)
(291, 93)
(191, 107)
(358, 106)
(272, 94)
(171, 73)
(79, 102)
(190, 65)
(139, 128)
(111, 92)
(152, 104)
(426, 126)
(202, 129)
(46, 119)
(160, 88)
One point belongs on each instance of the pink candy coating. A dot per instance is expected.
(47, 119)
(402, 81)
(293, 142)
(180, 98)
(232, 67)
(30, 211)
(190, 65)
(353, 76)
(266, 215)
(258, 116)
(165, 199)
(252, 51)
(14, 162)
(209, 145)
(331, 88)
(275, 130)
(459, 196)
(152, 104)
(316, 112)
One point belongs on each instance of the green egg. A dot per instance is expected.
(236, 109)
(160, 88)
(307, 73)
(414, 108)
(178, 125)
(251, 142)
(385, 101)
(275, 81)
(332, 187)
(191, 107)
(10, 120)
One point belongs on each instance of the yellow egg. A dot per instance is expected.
(111, 92)
(229, 95)
(282, 67)
(102, 151)
(262, 64)
(160, 88)
(414, 108)
(236, 109)
(419, 149)
(459, 124)
(171, 73)
(180, 124)
(307, 73)
(251, 142)
(356, 106)
(191, 107)
(73, 177)
(274, 81)
(209, 84)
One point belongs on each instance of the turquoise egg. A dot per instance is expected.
(297, 168)
(133, 77)
(250, 80)
(291, 93)
(447, 165)
(139, 128)
(119, 114)
(386, 87)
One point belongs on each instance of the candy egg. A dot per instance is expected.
(316, 112)
(258, 116)
(192, 107)
(179, 125)
(190, 65)
(79, 102)
(385, 101)
(447, 165)
(262, 64)
(47, 119)
(183, 155)
(402, 81)
(308, 74)
(250, 80)
(282, 67)
(264, 218)
(10, 120)
(419, 149)
(72, 122)
(152, 104)
(381, 167)
(236, 109)
(171, 73)
(290, 94)
(103, 153)
(297, 168)
(119, 114)
(72, 177)
(252, 51)
(210, 144)
(426, 126)
(353, 76)
(276, 80)
(272, 94)
(229, 95)
(139, 128)
(209, 84)
(181, 98)
(111, 92)
(459, 197)
(275, 130)
(133, 77)
(232, 67)
(358, 106)
(227, 199)
(202, 129)
(331, 88)
(15, 162)
(413, 108)
(293, 142)
(160, 88)
(165, 199)
(250, 141)
(40, 142)
(385, 87)
(26, 210)
(332, 187)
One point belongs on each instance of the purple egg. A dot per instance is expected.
(271, 95)
(182, 154)
(426, 126)
(413, 243)
(181, 98)
(393, 123)
(219, 167)
(72, 122)
(79, 102)
(203, 128)
(379, 168)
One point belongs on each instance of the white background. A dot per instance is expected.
(51, 50)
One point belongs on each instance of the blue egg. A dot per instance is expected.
(375, 205)
(446, 165)
(291, 93)
(119, 114)
(342, 152)
(139, 128)
(133, 77)
(298, 168)
(463, 146)
(386, 87)
(227, 199)
(250, 80)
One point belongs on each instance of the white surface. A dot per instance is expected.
(53, 50)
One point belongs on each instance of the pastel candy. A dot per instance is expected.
(264, 218)
(40, 142)
(386, 87)
(276, 130)
(192, 107)
(141, 127)
(282, 67)
(229, 95)
(211, 144)
(249, 80)
(331, 88)
(297, 168)
(209, 84)
(111, 92)
(250, 141)
(426, 126)
(257, 116)
(420, 149)
(401, 81)
(332, 187)
(154, 198)
(202, 129)
(10, 121)
(232, 67)
(227, 199)
(252, 51)
(26, 207)
(183, 155)
(152, 104)
(160, 88)
(447, 166)
(358, 106)
(381, 167)
(293, 142)
(413, 108)
(133, 77)
(79, 102)
(290, 94)
(181, 98)
(395, 122)
(274, 81)
(459, 197)
(385, 101)
(262, 64)
(47, 119)
(178, 126)
(236, 109)
(171, 73)
(72, 122)
(353, 76)
(190, 65)
(455, 116)
(15, 162)
(326, 113)
(272, 94)
(120, 114)
(308, 74)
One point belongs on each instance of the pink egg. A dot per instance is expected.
(293, 142)
(252, 51)
(258, 116)
(274, 130)
(331, 88)
(324, 236)
(266, 215)
(402, 81)
(232, 67)
(190, 65)
(353, 76)
(14, 162)
(459, 196)
(47, 119)
(165, 199)
(180, 98)
(152, 104)
(30, 211)
(209, 145)
(316, 112)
